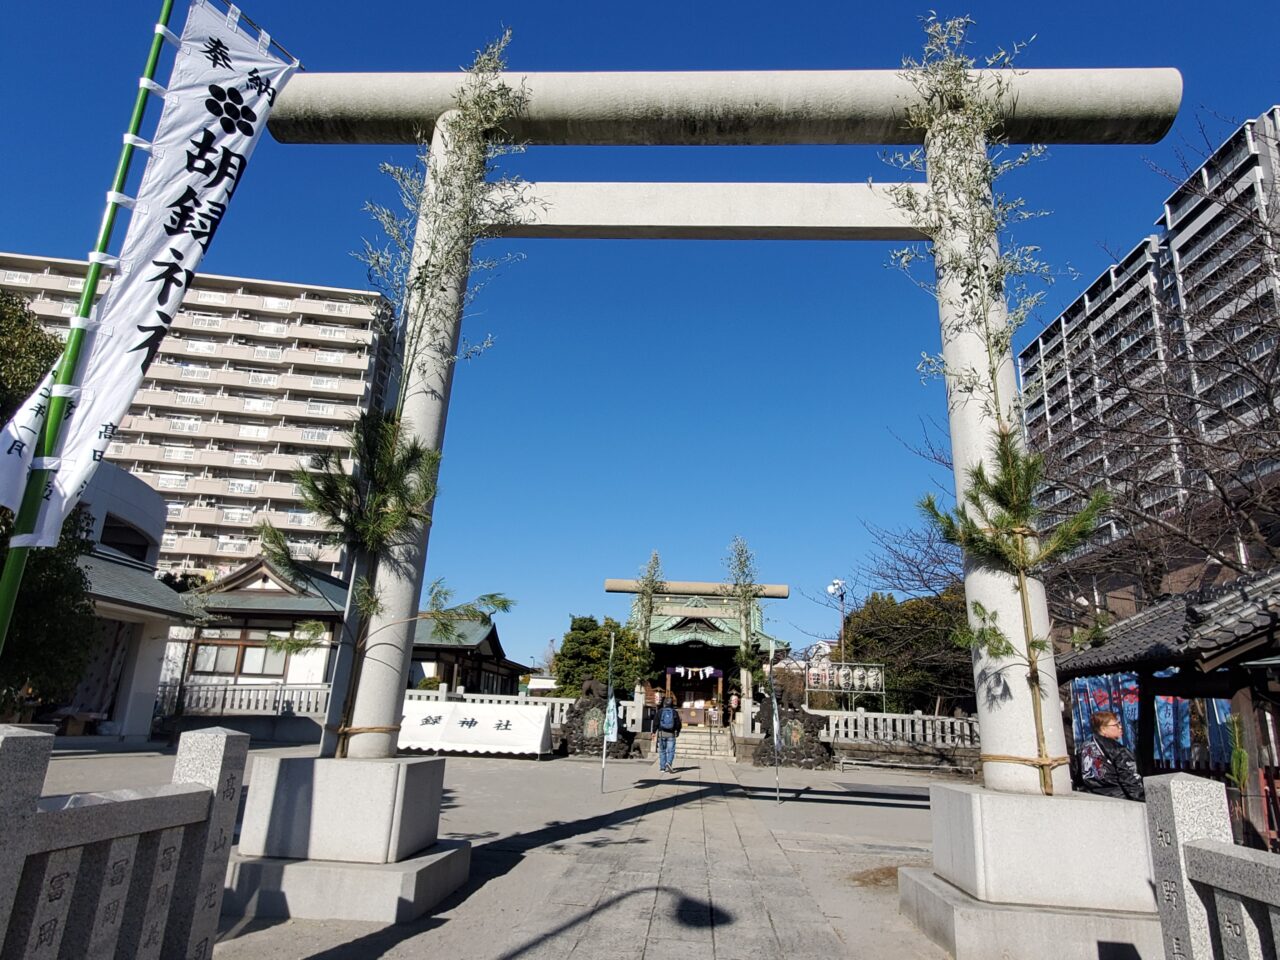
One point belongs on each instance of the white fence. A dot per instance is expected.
(312, 700)
(559, 705)
(1215, 899)
(246, 700)
(129, 873)
(913, 728)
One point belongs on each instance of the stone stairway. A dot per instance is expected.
(702, 743)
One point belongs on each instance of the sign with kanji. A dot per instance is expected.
(468, 727)
(215, 109)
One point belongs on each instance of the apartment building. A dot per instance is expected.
(255, 378)
(1205, 283)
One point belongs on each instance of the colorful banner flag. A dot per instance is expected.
(223, 87)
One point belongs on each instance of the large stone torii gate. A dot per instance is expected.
(793, 107)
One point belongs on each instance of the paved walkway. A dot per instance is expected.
(701, 865)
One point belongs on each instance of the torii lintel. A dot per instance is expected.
(743, 107)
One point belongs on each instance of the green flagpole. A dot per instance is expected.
(68, 367)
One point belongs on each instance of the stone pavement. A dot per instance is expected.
(700, 865)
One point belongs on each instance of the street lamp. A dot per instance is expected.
(836, 589)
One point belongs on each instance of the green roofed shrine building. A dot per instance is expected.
(695, 633)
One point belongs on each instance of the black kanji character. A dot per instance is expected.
(172, 274)
(217, 52)
(262, 85)
(227, 167)
(502, 725)
(468, 723)
(154, 337)
(108, 430)
(17, 447)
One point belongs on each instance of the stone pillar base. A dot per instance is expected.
(1024, 875)
(357, 811)
(329, 890)
(971, 929)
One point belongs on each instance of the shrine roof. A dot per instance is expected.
(1203, 627)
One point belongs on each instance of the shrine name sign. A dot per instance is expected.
(464, 727)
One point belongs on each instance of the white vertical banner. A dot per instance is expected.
(18, 442)
(215, 108)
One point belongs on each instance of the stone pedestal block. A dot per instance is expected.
(357, 811)
(1019, 848)
(326, 890)
(969, 929)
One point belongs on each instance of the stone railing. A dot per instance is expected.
(126, 873)
(246, 700)
(1215, 899)
(910, 728)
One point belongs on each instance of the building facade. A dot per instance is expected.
(1168, 340)
(255, 378)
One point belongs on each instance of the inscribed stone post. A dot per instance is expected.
(215, 759)
(24, 757)
(1182, 808)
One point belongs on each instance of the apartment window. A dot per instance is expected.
(340, 308)
(115, 449)
(75, 284)
(242, 486)
(67, 309)
(169, 540)
(171, 481)
(268, 353)
(277, 303)
(210, 296)
(179, 453)
(332, 333)
(188, 398)
(272, 329)
(237, 515)
(325, 381)
(318, 406)
(259, 405)
(263, 379)
(201, 346)
(246, 460)
(173, 510)
(190, 372)
(184, 424)
(316, 434)
(257, 433)
(329, 356)
(16, 276)
(204, 321)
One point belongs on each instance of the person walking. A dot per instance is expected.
(1107, 767)
(668, 729)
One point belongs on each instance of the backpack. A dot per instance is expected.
(667, 719)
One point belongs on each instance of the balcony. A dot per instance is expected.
(327, 359)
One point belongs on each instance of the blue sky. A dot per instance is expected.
(641, 395)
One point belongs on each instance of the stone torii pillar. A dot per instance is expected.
(793, 107)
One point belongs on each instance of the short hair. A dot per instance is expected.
(1101, 718)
